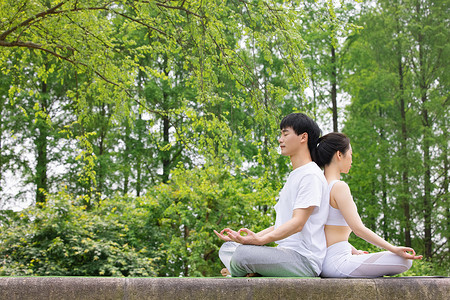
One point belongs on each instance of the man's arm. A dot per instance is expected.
(265, 231)
(294, 225)
(223, 235)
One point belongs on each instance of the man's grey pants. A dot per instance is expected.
(267, 261)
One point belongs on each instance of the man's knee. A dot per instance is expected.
(241, 255)
(227, 247)
(239, 263)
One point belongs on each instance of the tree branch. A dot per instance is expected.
(29, 20)
(179, 8)
(139, 22)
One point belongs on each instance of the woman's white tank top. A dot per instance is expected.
(335, 216)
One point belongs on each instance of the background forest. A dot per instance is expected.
(130, 130)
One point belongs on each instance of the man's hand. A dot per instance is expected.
(249, 239)
(222, 235)
(229, 235)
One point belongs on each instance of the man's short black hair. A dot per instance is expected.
(301, 123)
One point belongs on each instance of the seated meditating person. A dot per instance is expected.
(334, 154)
(301, 212)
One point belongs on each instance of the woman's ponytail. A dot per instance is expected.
(328, 145)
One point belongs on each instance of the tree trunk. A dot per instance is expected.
(334, 88)
(2, 108)
(404, 201)
(445, 186)
(101, 150)
(385, 206)
(166, 153)
(186, 260)
(139, 159)
(41, 148)
(166, 126)
(126, 160)
(427, 205)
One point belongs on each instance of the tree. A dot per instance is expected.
(327, 31)
(188, 39)
(427, 56)
(397, 88)
(177, 104)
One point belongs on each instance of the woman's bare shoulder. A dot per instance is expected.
(341, 191)
(341, 186)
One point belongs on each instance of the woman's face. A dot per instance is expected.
(346, 161)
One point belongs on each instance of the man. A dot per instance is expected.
(301, 212)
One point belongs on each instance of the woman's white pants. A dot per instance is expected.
(339, 262)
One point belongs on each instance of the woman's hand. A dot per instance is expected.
(359, 252)
(405, 253)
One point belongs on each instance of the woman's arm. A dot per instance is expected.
(344, 201)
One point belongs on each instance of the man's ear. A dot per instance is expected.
(304, 137)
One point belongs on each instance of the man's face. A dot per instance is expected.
(289, 141)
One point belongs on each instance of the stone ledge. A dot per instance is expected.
(92, 288)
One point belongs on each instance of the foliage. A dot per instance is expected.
(174, 79)
(427, 268)
(194, 203)
(168, 232)
(61, 237)
(399, 177)
(140, 126)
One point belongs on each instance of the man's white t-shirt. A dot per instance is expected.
(305, 187)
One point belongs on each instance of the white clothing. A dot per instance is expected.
(306, 186)
(300, 254)
(335, 216)
(340, 262)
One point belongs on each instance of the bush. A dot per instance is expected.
(193, 204)
(62, 238)
(168, 232)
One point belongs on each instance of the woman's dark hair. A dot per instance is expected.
(301, 123)
(328, 145)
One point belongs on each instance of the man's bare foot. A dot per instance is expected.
(253, 275)
(225, 272)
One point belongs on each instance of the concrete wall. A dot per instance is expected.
(85, 288)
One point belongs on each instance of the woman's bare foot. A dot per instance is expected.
(225, 272)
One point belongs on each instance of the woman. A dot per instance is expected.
(334, 154)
